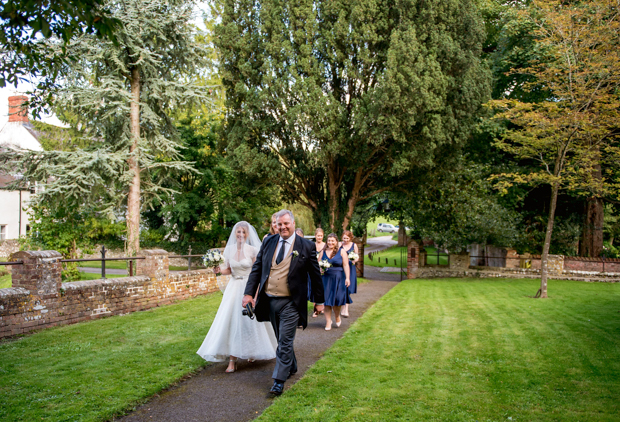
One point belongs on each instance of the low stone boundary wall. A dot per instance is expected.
(610, 265)
(39, 300)
(580, 269)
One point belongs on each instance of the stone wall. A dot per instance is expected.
(413, 258)
(8, 247)
(592, 264)
(39, 300)
(560, 267)
(459, 261)
(489, 272)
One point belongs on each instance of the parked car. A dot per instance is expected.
(386, 228)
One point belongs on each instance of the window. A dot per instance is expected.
(2, 233)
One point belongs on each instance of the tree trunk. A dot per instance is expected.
(353, 198)
(133, 197)
(333, 186)
(402, 234)
(544, 268)
(591, 244)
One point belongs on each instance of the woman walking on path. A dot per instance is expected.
(233, 335)
(349, 246)
(319, 234)
(335, 280)
(273, 228)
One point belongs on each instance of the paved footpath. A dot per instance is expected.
(212, 395)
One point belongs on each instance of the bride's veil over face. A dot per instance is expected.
(244, 233)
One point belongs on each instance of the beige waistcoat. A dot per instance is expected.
(277, 284)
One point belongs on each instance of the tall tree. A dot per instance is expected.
(122, 92)
(336, 101)
(23, 22)
(574, 133)
(213, 198)
(457, 208)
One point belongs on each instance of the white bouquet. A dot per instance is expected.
(324, 265)
(353, 256)
(212, 258)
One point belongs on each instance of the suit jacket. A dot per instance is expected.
(303, 265)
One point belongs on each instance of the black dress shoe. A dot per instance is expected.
(277, 388)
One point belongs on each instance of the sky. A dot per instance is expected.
(6, 92)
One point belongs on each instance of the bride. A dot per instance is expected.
(232, 334)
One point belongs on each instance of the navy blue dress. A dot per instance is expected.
(336, 293)
(353, 276)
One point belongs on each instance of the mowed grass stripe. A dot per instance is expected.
(92, 371)
(470, 350)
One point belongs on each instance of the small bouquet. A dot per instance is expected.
(353, 256)
(212, 258)
(324, 265)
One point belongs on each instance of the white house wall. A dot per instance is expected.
(10, 211)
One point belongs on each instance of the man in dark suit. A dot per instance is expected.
(280, 273)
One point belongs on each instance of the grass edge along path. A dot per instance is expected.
(96, 370)
(436, 350)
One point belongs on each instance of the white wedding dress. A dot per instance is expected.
(232, 333)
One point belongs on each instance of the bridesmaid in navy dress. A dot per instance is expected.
(319, 234)
(335, 280)
(349, 246)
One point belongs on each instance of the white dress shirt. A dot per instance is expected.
(288, 244)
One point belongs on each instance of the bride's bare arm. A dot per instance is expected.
(223, 271)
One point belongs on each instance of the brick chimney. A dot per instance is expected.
(17, 110)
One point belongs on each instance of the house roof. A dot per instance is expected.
(6, 179)
(20, 135)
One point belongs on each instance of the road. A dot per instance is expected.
(380, 243)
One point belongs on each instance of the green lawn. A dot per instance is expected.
(5, 281)
(391, 254)
(119, 265)
(470, 350)
(94, 370)
(432, 256)
(97, 276)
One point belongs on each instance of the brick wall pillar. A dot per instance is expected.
(413, 252)
(40, 272)
(359, 266)
(154, 265)
(555, 264)
(422, 257)
(459, 261)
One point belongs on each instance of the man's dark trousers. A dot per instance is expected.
(284, 318)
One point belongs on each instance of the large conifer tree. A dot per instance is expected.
(336, 101)
(121, 92)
